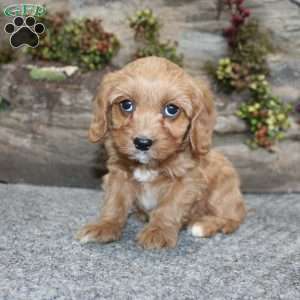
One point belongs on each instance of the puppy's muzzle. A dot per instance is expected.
(142, 143)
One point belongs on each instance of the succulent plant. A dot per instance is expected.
(266, 115)
(239, 15)
(248, 42)
(145, 25)
(232, 76)
(166, 50)
(246, 69)
(146, 31)
(82, 42)
(252, 46)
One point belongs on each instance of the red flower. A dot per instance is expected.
(246, 13)
(229, 31)
(237, 20)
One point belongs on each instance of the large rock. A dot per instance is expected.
(43, 137)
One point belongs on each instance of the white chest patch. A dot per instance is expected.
(144, 175)
(148, 198)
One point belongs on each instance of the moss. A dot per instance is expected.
(50, 75)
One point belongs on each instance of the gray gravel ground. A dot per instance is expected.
(39, 259)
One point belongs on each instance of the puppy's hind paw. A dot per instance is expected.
(201, 229)
(102, 232)
(197, 230)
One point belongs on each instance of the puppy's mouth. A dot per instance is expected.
(142, 157)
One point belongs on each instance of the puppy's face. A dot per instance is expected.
(152, 109)
(150, 116)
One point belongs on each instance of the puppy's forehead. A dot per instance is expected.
(152, 65)
(155, 79)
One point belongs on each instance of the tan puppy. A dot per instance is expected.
(156, 123)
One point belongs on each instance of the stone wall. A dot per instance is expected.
(193, 24)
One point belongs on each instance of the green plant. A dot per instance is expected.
(246, 58)
(145, 25)
(4, 104)
(166, 50)
(239, 15)
(248, 44)
(146, 31)
(252, 46)
(246, 69)
(82, 42)
(265, 114)
(232, 76)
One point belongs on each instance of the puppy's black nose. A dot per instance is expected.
(142, 143)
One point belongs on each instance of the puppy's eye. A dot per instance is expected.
(171, 111)
(127, 106)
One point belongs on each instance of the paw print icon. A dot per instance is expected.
(24, 32)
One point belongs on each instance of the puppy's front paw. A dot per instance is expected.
(154, 237)
(102, 232)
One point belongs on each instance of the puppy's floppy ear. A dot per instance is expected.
(99, 124)
(203, 120)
